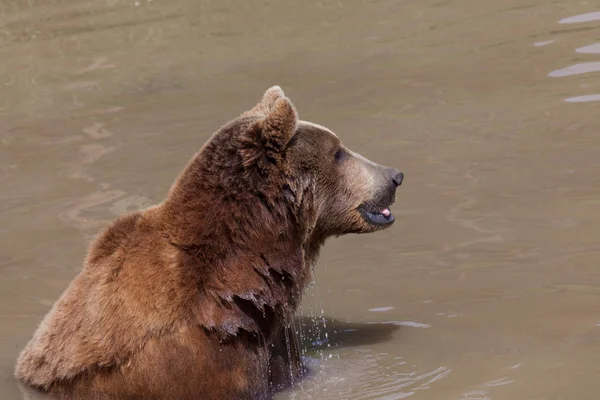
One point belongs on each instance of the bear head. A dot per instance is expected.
(351, 194)
(268, 164)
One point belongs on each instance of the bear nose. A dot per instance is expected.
(398, 178)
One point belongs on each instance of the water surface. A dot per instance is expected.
(487, 287)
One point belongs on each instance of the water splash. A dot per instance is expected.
(315, 329)
(289, 353)
(301, 334)
(325, 338)
(331, 313)
(316, 333)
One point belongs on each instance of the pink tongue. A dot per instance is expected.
(386, 212)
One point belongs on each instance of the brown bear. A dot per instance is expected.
(194, 298)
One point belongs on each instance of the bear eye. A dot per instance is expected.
(338, 155)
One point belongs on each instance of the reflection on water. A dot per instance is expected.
(583, 99)
(584, 67)
(581, 68)
(587, 17)
(412, 324)
(486, 288)
(590, 49)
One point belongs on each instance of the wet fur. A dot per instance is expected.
(194, 297)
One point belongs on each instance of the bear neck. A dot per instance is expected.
(249, 240)
(257, 265)
(214, 229)
(216, 210)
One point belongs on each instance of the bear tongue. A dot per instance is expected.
(386, 212)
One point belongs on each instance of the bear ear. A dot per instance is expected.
(268, 137)
(266, 103)
(279, 126)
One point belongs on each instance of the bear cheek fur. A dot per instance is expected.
(339, 186)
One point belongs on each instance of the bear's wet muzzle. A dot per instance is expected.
(377, 211)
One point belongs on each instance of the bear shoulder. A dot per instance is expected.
(127, 292)
(113, 237)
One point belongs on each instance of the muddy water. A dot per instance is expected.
(488, 286)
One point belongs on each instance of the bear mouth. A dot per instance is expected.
(377, 215)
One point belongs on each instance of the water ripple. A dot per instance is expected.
(370, 376)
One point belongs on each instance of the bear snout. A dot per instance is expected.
(398, 177)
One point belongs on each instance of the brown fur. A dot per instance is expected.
(193, 298)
